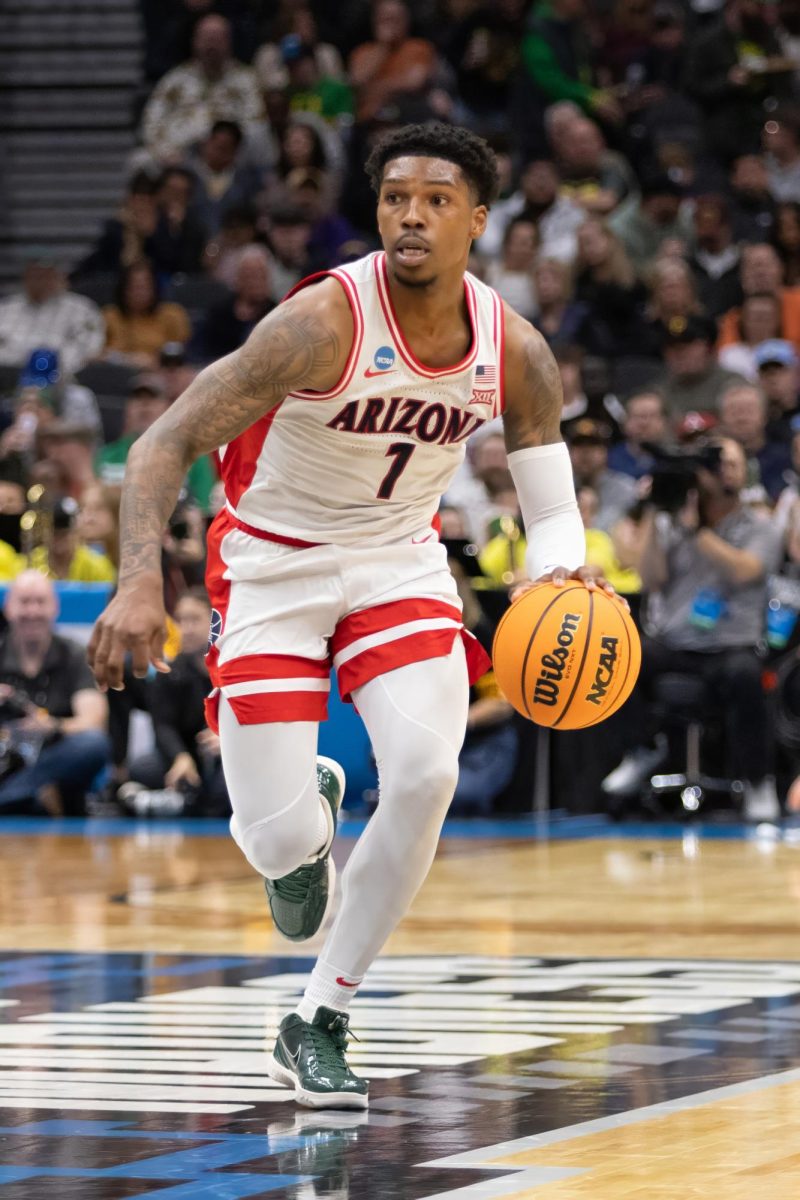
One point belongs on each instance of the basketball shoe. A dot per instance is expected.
(310, 1057)
(300, 901)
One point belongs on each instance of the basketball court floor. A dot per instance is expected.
(571, 1010)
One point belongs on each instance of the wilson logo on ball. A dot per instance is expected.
(605, 671)
(554, 664)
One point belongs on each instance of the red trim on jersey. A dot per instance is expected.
(240, 460)
(248, 668)
(385, 616)
(406, 353)
(264, 707)
(351, 293)
(266, 535)
(219, 594)
(500, 347)
(415, 647)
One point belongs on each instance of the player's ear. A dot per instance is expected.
(479, 217)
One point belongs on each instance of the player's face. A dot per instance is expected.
(427, 219)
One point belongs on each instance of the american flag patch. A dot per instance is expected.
(485, 377)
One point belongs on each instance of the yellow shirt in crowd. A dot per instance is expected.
(499, 556)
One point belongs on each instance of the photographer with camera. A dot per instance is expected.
(52, 717)
(704, 562)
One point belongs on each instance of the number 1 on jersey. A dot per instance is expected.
(401, 453)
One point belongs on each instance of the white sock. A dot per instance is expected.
(325, 987)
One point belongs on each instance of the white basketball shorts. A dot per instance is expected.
(283, 615)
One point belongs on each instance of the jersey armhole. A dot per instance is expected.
(499, 334)
(358, 330)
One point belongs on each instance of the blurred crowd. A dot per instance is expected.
(649, 227)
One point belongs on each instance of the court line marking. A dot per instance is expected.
(526, 1177)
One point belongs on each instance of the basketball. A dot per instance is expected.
(566, 657)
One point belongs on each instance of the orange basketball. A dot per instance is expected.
(566, 657)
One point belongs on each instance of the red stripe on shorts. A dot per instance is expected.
(260, 708)
(414, 647)
(385, 616)
(250, 667)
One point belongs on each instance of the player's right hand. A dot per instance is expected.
(135, 622)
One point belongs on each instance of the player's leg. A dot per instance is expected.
(416, 717)
(285, 803)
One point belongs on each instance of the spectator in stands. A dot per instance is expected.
(179, 237)
(707, 567)
(270, 63)
(693, 380)
(288, 237)
(786, 239)
(46, 394)
(186, 758)
(139, 323)
(645, 425)
(593, 176)
(786, 514)
(46, 314)
(643, 223)
(725, 76)
(483, 477)
(64, 555)
(560, 318)
(224, 178)
(481, 43)
(606, 283)
(67, 456)
(310, 90)
(556, 58)
(211, 86)
(512, 276)
(753, 207)
(759, 320)
(780, 141)
(715, 261)
(174, 371)
(589, 443)
(97, 521)
(229, 323)
(50, 689)
(302, 152)
(127, 237)
(777, 362)
(762, 271)
(672, 301)
(237, 231)
(145, 404)
(538, 197)
(601, 548)
(743, 417)
(391, 64)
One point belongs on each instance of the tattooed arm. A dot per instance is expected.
(304, 344)
(533, 401)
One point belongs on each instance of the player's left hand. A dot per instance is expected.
(593, 577)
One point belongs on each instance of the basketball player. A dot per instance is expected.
(340, 423)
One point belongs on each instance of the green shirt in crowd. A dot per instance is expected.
(110, 461)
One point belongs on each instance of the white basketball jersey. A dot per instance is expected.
(367, 462)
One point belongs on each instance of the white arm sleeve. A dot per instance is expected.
(543, 478)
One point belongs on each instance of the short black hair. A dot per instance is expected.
(451, 142)
(229, 127)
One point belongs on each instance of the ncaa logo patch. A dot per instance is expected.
(384, 358)
(216, 627)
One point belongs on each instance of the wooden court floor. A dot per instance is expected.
(613, 1015)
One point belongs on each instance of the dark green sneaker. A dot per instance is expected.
(300, 901)
(310, 1058)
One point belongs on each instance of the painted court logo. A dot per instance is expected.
(553, 665)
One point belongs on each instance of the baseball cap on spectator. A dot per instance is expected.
(681, 330)
(775, 352)
(695, 424)
(41, 369)
(587, 431)
(293, 48)
(660, 183)
(152, 384)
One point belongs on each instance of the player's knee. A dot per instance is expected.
(428, 783)
(277, 847)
